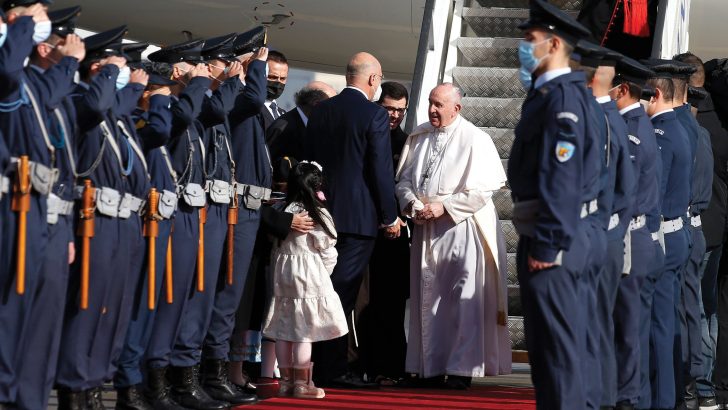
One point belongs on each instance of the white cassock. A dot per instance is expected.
(458, 295)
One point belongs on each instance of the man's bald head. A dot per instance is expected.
(365, 73)
(320, 85)
(444, 105)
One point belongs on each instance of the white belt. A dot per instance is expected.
(56, 207)
(695, 221)
(4, 186)
(672, 226)
(589, 208)
(42, 177)
(613, 222)
(655, 236)
(241, 189)
(638, 222)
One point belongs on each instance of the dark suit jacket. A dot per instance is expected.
(285, 136)
(267, 117)
(349, 136)
(714, 218)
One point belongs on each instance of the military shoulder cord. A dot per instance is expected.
(132, 143)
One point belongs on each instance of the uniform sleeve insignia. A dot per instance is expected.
(659, 131)
(564, 150)
(634, 140)
(568, 116)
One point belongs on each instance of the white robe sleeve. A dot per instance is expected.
(405, 189)
(463, 205)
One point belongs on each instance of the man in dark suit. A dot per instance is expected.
(349, 136)
(285, 136)
(277, 77)
(383, 346)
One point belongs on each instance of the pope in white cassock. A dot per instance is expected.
(446, 178)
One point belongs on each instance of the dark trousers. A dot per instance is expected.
(83, 342)
(123, 291)
(383, 346)
(169, 317)
(708, 318)
(720, 373)
(690, 330)
(37, 364)
(198, 310)
(227, 298)
(627, 315)
(554, 328)
(608, 286)
(129, 366)
(14, 308)
(355, 251)
(588, 287)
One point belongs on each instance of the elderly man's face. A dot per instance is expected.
(396, 110)
(443, 107)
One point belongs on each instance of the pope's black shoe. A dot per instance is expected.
(131, 398)
(187, 392)
(216, 383)
(71, 400)
(94, 401)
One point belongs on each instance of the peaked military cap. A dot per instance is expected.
(9, 4)
(64, 20)
(546, 16)
(631, 70)
(669, 68)
(157, 79)
(696, 95)
(593, 55)
(219, 48)
(105, 43)
(133, 52)
(176, 53)
(250, 41)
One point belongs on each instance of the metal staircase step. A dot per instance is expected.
(503, 203)
(512, 277)
(518, 334)
(502, 138)
(488, 82)
(495, 22)
(511, 236)
(492, 112)
(488, 52)
(514, 301)
(523, 4)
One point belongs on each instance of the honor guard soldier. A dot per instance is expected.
(93, 307)
(675, 194)
(187, 155)
(546, 171)
(632, 312)
(35, 376)
(615, 202)
(23, 126)
(7, 72)
(701, 181)
(153, 123)
(219, 171)
(253, 176)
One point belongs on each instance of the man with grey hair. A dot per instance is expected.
(285, 135)
(447, 174)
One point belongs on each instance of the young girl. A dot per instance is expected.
(305, 308)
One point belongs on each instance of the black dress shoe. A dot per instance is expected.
(187, 392)
(71, 400)
(131, 398)
(216, 383)
(352, 381)
(94, 399)
(708, 403)
(458, 382)
(624, 405)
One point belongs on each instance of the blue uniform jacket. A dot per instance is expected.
(187, 133)
(126, 101)
(701, 175)
(547, 160)
(349, 136)
(252, 163)
(647, 166)
(154, 128)
(676, 165)
(618, 196)
(214, 117)
(16, 48)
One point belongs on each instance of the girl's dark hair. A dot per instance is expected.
(304, 180)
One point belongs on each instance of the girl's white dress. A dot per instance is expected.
(305, 307)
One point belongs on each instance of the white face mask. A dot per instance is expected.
(3, 33)
(123, 79)
(42, 31)
(378, 93)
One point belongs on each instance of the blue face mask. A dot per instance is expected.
(529, 62)
(3, 33)
(42, 31)
(123, 79)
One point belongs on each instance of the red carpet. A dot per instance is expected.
(478, 397)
